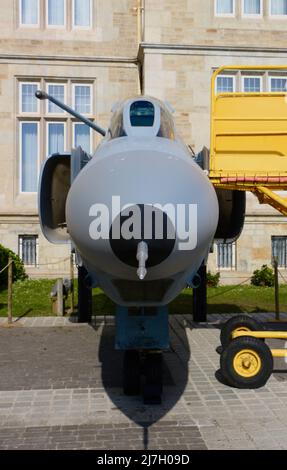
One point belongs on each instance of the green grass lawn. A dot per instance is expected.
(32, 298)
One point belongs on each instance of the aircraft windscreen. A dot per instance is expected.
(142, 114)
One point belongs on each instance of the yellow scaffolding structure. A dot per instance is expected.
(248, 150)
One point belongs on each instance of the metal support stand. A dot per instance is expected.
(200, 297)
(84, 297)
(142, 331)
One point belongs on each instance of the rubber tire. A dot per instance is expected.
(153, 386)
(227, 357)
(131, 373)
(235, 322)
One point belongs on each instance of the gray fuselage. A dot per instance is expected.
(142, 173)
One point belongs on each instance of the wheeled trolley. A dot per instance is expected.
(246, 361)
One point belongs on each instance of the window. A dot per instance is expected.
(45, 129)
(28, 100)
(28, 249)
(225, 84)
(82, 136)
(29, 12)
(82, 13)
(142, 114)
(226, 255)
(56, 137)
(278, 84)
(56, 12)
(279, 250)
(83, 98)
(252, 84)
(278, 7)
(252, 7)
(224, 7)
(29, 152)
(57, 91)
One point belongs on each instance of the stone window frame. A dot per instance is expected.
(51, 26)
(27, 113)
(20, 127)
(76, 27)
(36, 247)
(238, 75)
(55, 121)
(224, 15)
(61, 112)
(25, 25)
(250, 75)
(74, 84)
(234, 249)
(251, 15)
(273, 238)
(281, 77)
(275, 17)
(226, 75)
(74, 135)
(43, 17)
(43, 117)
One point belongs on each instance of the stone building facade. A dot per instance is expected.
(93, 53)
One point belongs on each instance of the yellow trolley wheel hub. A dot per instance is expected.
(241, 328)
(247, 363)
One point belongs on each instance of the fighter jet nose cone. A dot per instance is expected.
(141, 272)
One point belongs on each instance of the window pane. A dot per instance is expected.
(279, 84)
(55, 137)
(278, 7)
(82, 12)
(83, 99)
(224, 7)
(142, 114)
(29, 11)
(252, 7)
(29, 157)
(56, 12)
(225, 84)
(279, 250)
(28, 99)
(82, 137)
(225, 255)
(57, 91)
(28, 249)
(252, 84)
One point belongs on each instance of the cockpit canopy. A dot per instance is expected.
(142, 117)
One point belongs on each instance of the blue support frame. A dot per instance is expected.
(142, 331)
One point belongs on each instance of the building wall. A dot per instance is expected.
(104, 55)
(113, 32)
(194, 22)
(182, 50)
(182, 43)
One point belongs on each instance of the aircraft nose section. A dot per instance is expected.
(137, 195)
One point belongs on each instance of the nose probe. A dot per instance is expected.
(142, 256)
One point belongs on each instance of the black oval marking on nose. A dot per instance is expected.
(159, 249)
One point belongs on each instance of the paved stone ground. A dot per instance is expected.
(60, 388)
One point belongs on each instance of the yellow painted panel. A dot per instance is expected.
(249, 134)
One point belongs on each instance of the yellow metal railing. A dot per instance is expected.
(248, 148)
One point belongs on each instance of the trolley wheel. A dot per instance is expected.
(153, 384)
(131, 373)
(246, 363)
(238, 323)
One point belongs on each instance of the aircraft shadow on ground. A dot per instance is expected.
(175, 377)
